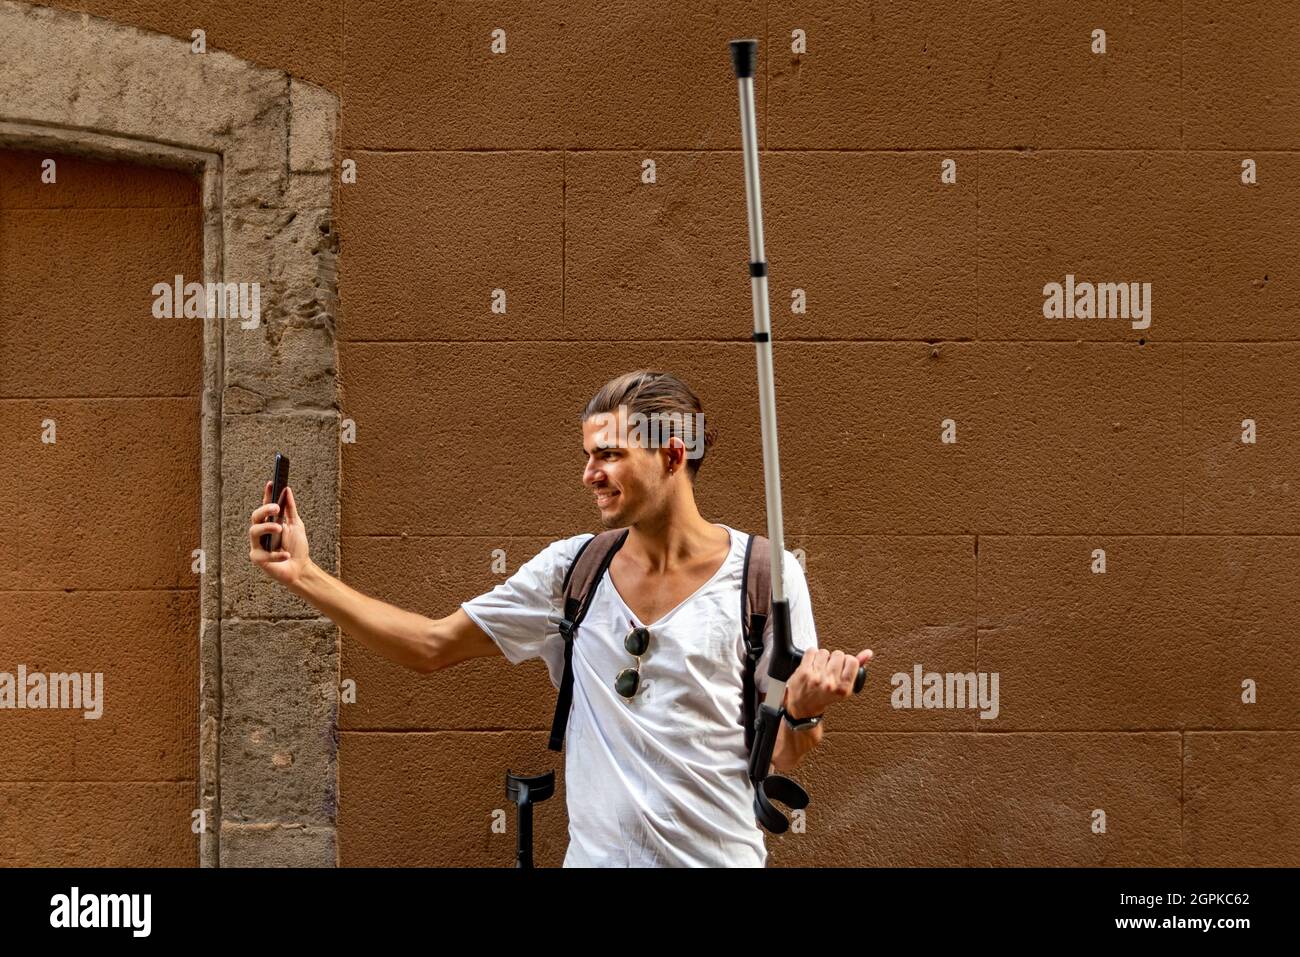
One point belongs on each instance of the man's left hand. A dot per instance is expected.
(822, 677)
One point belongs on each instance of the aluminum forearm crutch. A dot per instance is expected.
(785, 657)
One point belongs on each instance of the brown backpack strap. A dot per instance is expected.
(755, 623)
(580, 581)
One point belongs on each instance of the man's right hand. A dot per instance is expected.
(289, 562)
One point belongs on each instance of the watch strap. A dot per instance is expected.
(798, 723)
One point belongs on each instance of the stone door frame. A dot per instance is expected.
(263, 144)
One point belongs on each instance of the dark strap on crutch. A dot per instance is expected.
(756, 623)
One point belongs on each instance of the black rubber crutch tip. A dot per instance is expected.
(743, 55)
(860, 680)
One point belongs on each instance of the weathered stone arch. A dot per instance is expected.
(263, 144)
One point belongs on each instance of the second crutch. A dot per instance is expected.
(524, 791)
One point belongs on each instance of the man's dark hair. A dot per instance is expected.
(649, 392)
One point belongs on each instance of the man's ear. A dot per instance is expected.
(676, 451)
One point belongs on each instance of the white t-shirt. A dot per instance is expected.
(661, 780)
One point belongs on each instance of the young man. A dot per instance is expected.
(656, 770)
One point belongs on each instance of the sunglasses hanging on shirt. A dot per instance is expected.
(628, 682)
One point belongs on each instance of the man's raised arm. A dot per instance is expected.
(410, 639)
(406, 637)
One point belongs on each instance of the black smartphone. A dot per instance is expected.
(271, 540)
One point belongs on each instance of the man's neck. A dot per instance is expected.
(671, 540)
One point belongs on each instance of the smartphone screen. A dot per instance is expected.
(271, 540)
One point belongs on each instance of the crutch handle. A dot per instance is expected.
(858, 682)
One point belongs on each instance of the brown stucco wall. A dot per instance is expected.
(521, 171)
(95, 563)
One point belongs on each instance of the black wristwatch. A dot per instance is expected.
(801, 724)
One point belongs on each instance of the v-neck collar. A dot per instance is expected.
(731, 547)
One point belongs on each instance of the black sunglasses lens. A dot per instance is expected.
(637, 641)
(627, 682)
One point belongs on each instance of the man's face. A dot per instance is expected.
(628, 480)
